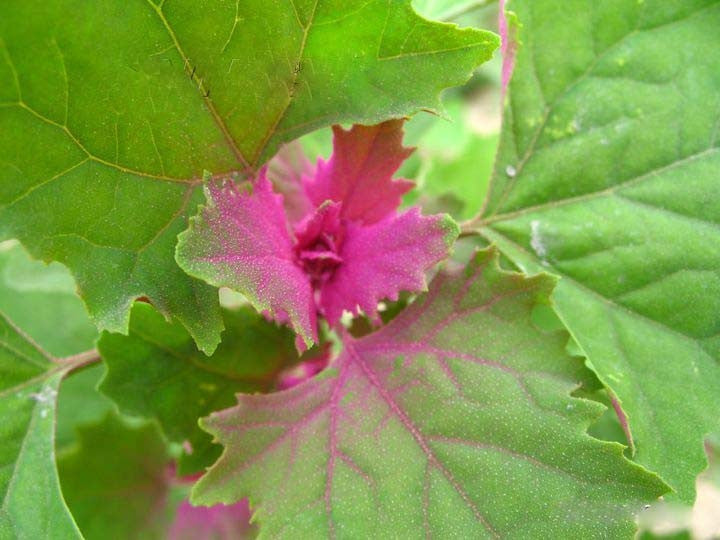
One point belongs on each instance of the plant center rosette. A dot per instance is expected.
(322, 240)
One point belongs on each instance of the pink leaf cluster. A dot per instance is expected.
(335, 242)
(218, 522)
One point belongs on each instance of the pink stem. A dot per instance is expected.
(623, 421)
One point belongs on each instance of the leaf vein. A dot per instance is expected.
(601, 193)
(419, 437)
(203, 91)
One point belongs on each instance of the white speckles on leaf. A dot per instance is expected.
(536, 242)
(45, 398)
(46, 395)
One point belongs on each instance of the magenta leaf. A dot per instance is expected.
(454, 421)
(240, 240)
(219, 522)
(382, 259)
(313, 362)
(337, 245)
(359, 173)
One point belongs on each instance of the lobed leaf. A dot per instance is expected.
(355, 452)
(240, 239)
(157, 372)
(384, 259)
(110, 111)
(608, 175)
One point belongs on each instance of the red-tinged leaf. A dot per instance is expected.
(359, 173)
(507, 25)
(286, 171)
(380, 260)
(455, 420)
(240, 240)
(219, 522)
(349, 249)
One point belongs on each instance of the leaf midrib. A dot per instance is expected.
(417, 435)
(505, 216)
(550, 107)
(249, 165)
(203, 91)
(608, 301)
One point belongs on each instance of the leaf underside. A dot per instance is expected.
(354, 452)
(607, 175)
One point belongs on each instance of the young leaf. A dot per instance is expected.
(355, 452)
(217, 522)
(240, 240)
(349, 252)
(608, 175)
(156, 371)
(359, 174)
(32, 505)
(117, 482)
(110, 111)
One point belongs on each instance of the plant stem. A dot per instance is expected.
(79, 360)
(469, 227)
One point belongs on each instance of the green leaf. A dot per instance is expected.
(80, 403)
(110, 111)
(32, 505)
(41, 300)
(609, 176)
(354, 452)
(117, 482)
(156, 371)
(679, 535)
